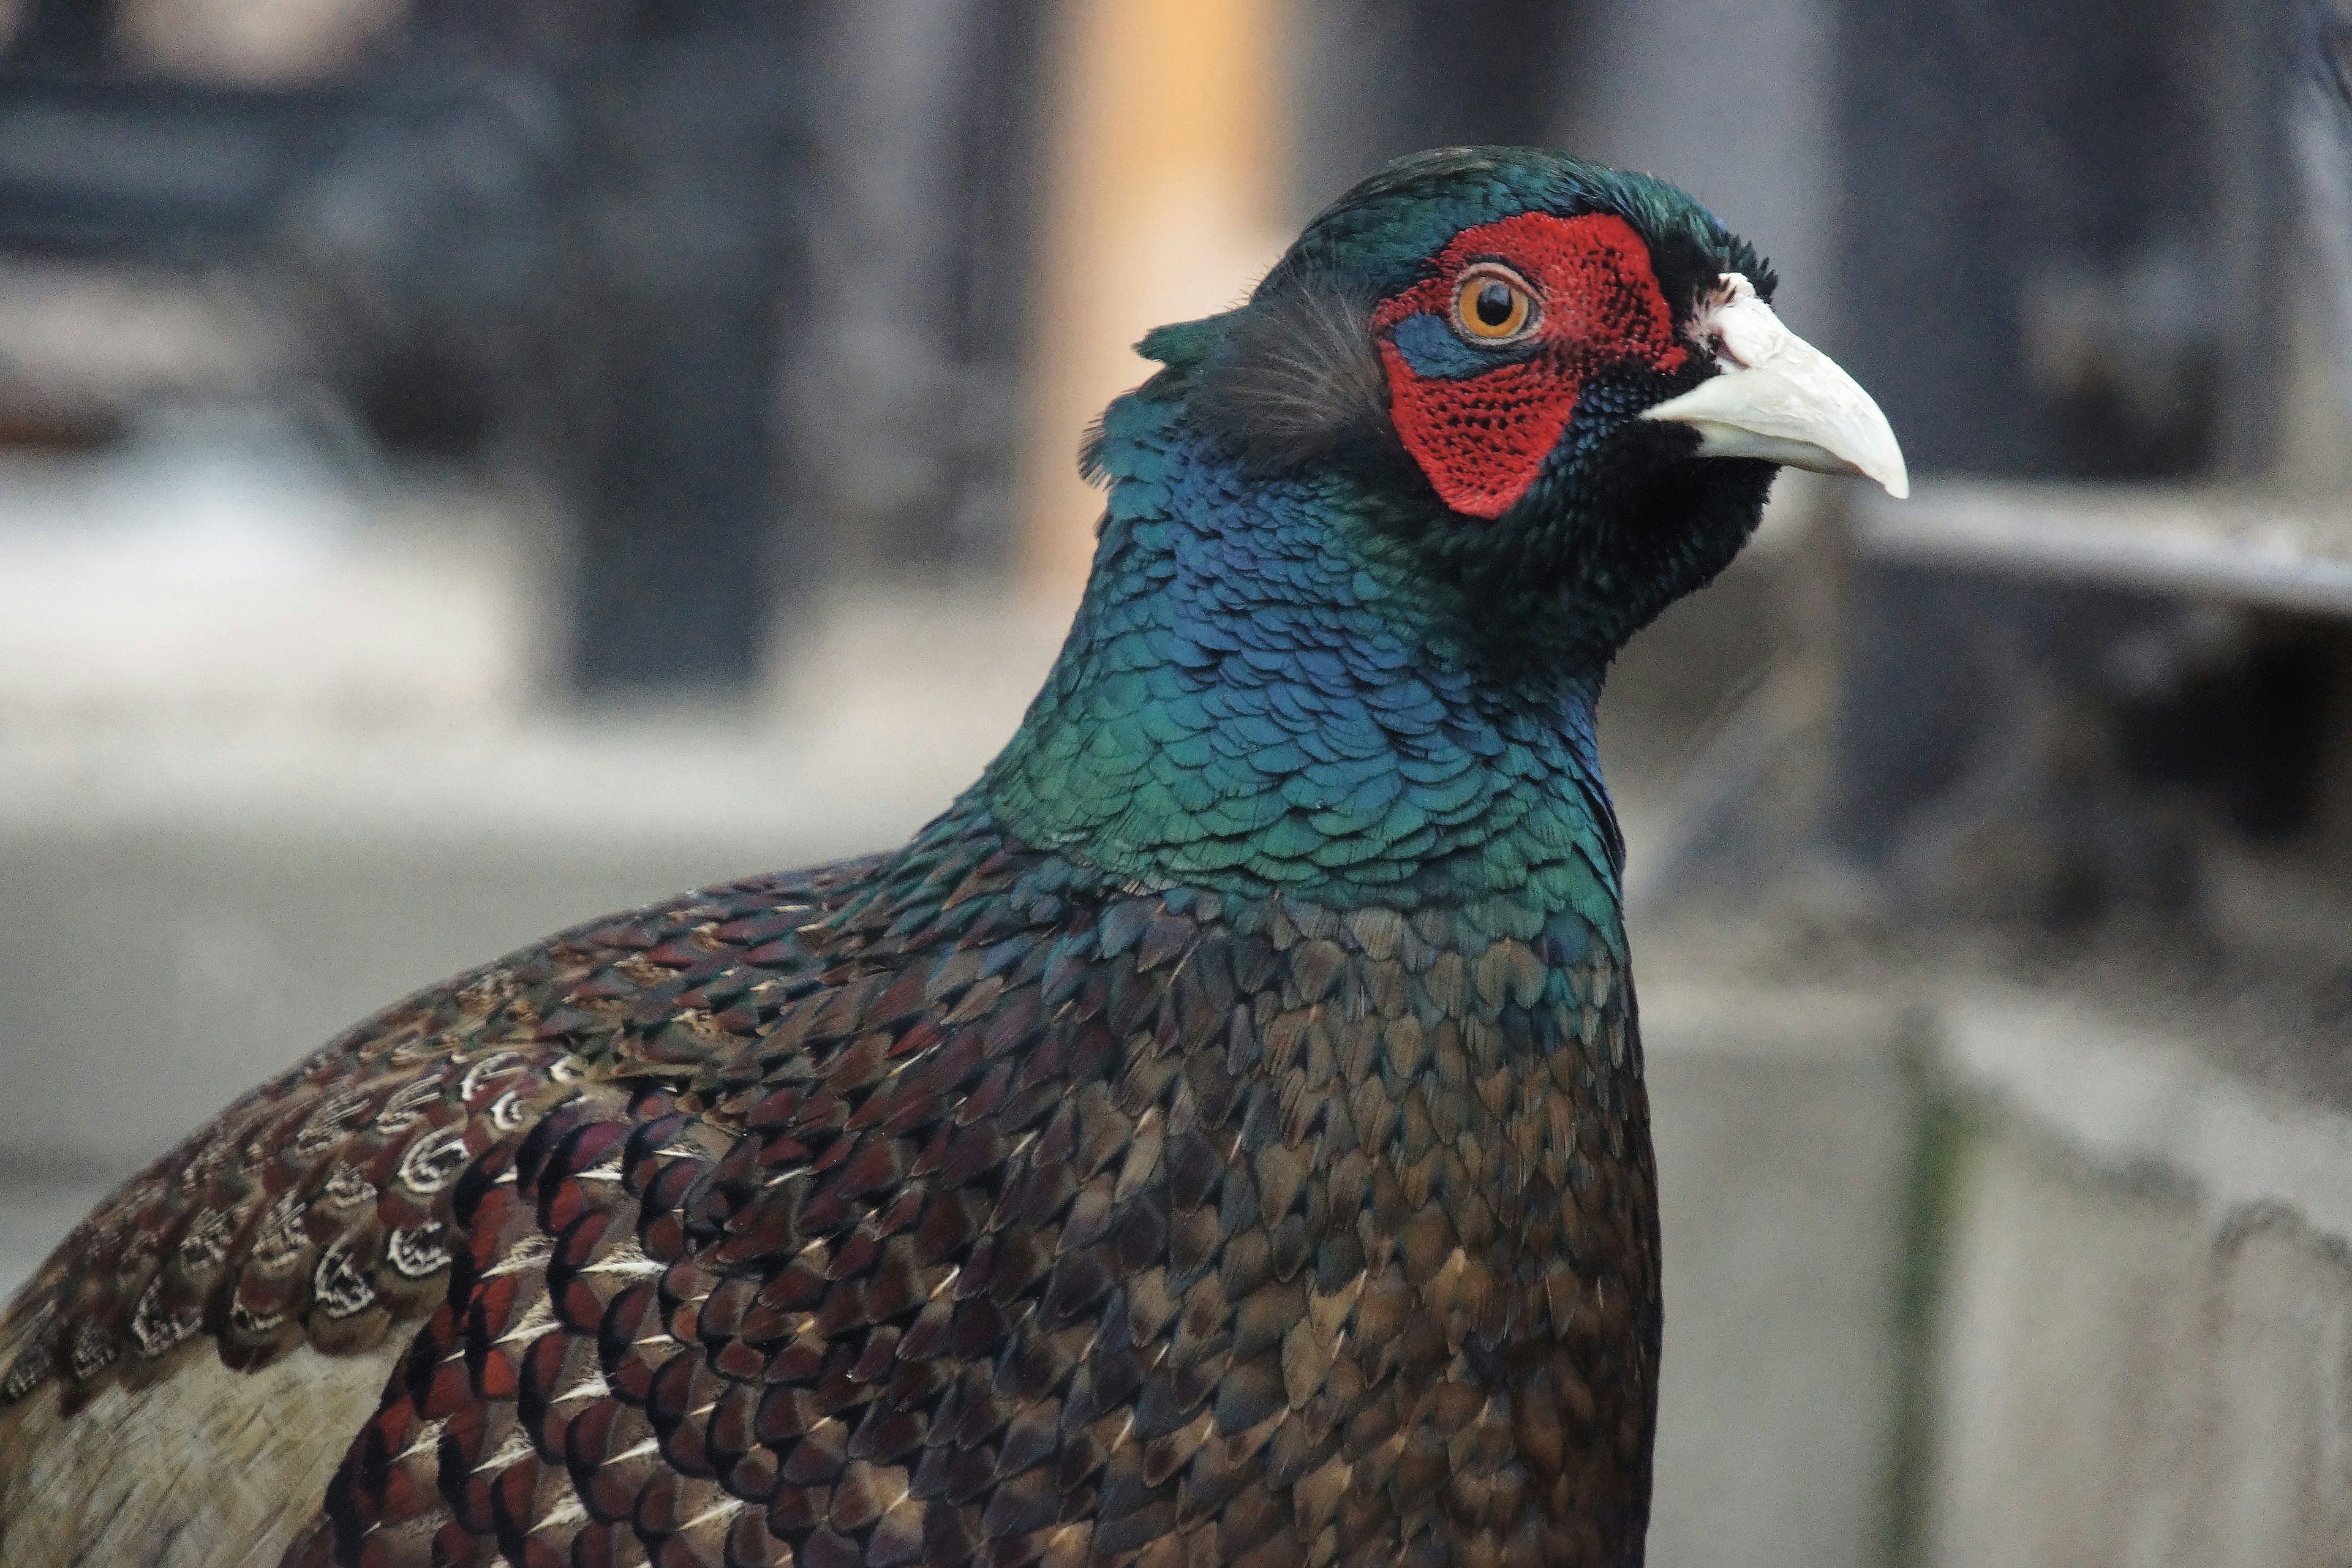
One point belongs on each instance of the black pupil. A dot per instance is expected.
(1494, 305)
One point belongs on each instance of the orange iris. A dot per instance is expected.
(1492, 305)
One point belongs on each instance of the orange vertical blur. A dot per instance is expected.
(1164, 195)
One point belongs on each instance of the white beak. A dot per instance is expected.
(1783, 400)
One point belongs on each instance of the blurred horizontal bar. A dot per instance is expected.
(153, 170)
(2230, 544)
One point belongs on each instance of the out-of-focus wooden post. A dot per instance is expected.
(1164, 195)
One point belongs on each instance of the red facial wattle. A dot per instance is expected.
(1482, 430)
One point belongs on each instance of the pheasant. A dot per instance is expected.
(1218, 1139)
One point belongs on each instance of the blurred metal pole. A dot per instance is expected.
(646, 329)
(901, 405)
(686, 261)
(807, 259)
(674, 575)
(1001, 130)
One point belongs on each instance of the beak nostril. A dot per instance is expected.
(1780, 398)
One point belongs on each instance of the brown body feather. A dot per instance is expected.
(947, 1208)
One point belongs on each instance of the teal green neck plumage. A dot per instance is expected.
(1256, 698)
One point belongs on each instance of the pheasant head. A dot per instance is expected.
(1373, 536)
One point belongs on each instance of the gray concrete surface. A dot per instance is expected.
(2145, 1350)
(2063, 1326)
(1783, 1125)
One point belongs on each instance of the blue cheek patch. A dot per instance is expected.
(1432, 348)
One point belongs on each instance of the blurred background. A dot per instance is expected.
(467, 467)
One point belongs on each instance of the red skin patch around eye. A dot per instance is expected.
(1483, 438)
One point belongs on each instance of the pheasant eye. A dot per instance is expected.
(1494, 306)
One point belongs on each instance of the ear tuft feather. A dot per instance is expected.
(1298, 380)
(1092, 453)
